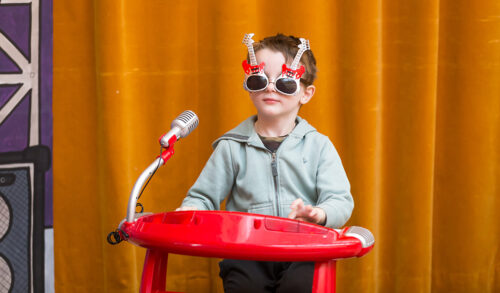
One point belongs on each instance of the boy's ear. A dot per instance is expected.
(308, 94)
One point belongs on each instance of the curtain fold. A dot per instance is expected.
(408, 91)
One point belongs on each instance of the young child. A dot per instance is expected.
(275, 163)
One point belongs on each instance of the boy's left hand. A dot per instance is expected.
(307, 213)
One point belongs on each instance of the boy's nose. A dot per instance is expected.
(269, 88)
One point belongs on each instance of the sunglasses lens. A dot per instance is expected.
(286, 85)
(256, 82)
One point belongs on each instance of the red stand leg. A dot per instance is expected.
(324, 277)
(154, 274)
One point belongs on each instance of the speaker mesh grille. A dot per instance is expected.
(15, 245)
(5, 215)
(5, 276)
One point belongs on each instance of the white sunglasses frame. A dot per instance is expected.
(283, 76)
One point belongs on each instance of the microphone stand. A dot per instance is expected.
(160, 161)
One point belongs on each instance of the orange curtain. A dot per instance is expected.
(408, 91)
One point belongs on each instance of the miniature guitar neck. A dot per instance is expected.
(247, 40)
(303, 46)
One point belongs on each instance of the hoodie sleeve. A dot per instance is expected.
(333, 188)
(215, 181)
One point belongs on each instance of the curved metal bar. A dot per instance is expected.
(132, 201)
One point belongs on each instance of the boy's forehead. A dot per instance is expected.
(276, 57)
(271, 55)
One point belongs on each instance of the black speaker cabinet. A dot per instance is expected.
(22, 176)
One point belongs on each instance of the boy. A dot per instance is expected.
(275, 163)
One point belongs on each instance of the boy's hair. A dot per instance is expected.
(288, 45)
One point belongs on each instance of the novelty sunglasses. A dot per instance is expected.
(288, 83)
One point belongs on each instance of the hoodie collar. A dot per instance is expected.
(245, 132)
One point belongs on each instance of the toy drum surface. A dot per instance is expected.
(246, 236)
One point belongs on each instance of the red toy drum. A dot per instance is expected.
(235, 235)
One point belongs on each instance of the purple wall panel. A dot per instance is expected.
(26, 146)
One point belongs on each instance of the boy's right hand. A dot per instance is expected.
(186, 208)
(307, 213)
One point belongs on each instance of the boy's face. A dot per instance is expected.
(269, 102)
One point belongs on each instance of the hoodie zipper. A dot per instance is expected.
(274, 167)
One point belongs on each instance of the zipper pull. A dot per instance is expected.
(274, 165)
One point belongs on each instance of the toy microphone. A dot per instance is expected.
(180, 127)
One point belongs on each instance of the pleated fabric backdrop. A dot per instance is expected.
(408, 91)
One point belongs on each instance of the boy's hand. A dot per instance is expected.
(307, 213)
(187, 208)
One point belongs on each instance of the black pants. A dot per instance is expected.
(241, 276)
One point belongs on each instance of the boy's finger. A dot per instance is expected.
(186, 208)
(297, 203)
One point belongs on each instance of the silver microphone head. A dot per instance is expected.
(180, 127)
(187, 121)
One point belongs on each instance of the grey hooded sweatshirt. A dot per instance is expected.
(255, 180)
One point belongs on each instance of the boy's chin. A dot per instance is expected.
(275, 112)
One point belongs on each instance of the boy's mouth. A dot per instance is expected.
(270, 101)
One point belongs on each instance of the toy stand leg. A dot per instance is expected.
(324, 277)
(154, 274)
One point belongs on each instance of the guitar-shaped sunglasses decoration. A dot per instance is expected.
(288, 83)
